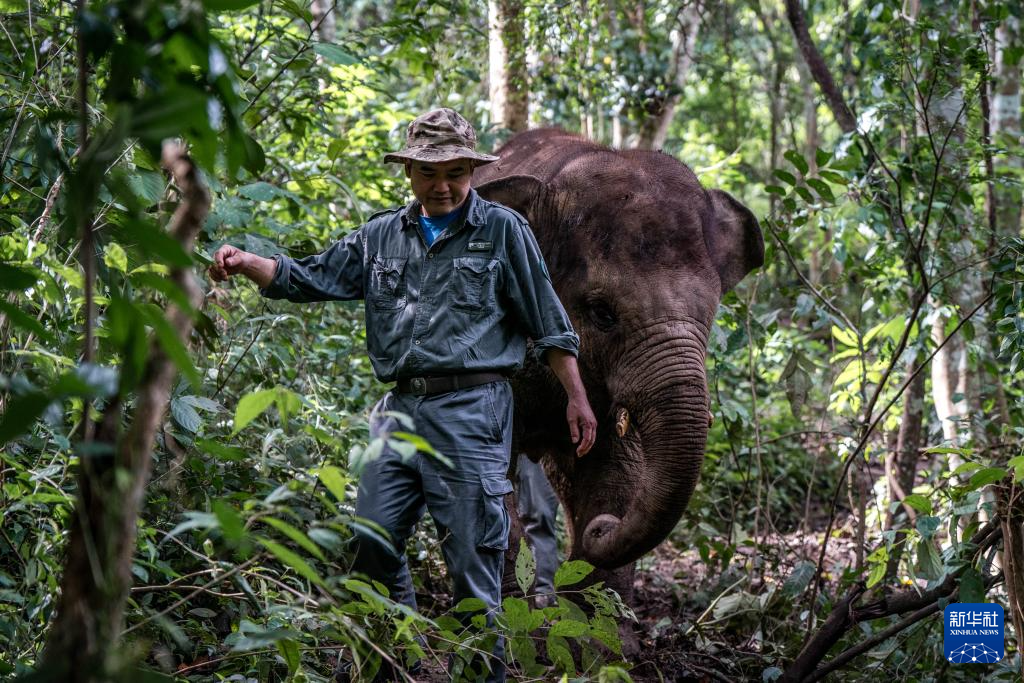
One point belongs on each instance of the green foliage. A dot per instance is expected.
(242, 554)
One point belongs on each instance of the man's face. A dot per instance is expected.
(440, 187)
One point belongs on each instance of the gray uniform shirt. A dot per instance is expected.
(467, 303)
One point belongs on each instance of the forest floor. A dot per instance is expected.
(674, 590)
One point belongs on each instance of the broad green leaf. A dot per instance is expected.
(185, 415)
(929, 564)
(289, 558)
(334, 480)
(21, 413)
(798, 161)
(115, 257)
(220, 451)
(804, 193)
(822, 188)
(171, 344)
(986, 476)
(16, 278)
(289, 650)
(162, 284)
(927, 525)
(799, 579)
(785, 176)
(471, 605)
(335, 54)
(918, 503)
(261, 191)
(153, 241)
(230, 523)
(526, 567)
(834, 177)
(296, 535)
(876, 574)
(572, 572)
(148, 185)
(516, 613)
(947, 450)
(1018, 467)
(972, 588)
(251, 406)
(569, 628)
(843, 336)
(558, 651)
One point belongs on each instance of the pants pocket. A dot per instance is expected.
(493, 517)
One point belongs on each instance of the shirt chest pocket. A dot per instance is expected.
(387, 287)
(472, 284)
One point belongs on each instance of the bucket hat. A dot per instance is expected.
(437, 136)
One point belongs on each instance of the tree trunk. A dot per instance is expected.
(324, 20)
(508, 84)
(81, 647)
(654, 129)
(819, 70)
(1006, 131)
(901, 462)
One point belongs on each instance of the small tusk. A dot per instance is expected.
(622, 422)
(711, 419)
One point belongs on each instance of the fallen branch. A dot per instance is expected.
(846, 615)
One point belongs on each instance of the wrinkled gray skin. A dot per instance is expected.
(640, 255)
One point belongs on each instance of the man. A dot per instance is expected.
(453, 287)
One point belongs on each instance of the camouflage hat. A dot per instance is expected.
(440, 135)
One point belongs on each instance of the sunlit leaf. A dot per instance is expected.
(289, 558)
(572, 572)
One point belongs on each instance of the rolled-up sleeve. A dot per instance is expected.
(335, 274)
(532, 296)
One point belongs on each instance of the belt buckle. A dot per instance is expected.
(418, 386)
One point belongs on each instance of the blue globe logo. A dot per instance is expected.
(976, 653)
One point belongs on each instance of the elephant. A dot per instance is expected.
(640, 255)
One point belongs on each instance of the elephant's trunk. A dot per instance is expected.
(667, 406)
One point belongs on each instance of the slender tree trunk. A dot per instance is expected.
(1006, 129)
(81, 647)
(509, 89)
(654, 130)
(901, 462)
(325, 20)
(819, 70)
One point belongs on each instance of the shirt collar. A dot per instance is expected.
(474, 213)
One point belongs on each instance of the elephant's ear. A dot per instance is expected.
(733, 239)
(522, 193)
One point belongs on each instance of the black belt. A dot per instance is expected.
(424, 386)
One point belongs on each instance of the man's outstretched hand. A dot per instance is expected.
(229, 260)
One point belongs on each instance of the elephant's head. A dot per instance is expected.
(640, 255)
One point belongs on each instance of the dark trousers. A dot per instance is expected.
(472, 428)
(538, 510)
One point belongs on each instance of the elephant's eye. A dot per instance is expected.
(601, 314)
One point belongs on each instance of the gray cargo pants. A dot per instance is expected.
(473, 428)
(538, 510)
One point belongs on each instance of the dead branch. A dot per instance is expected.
(846, 615)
